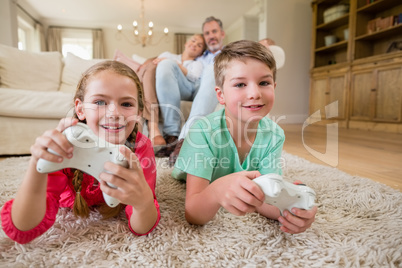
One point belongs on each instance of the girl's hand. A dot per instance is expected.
(297, 222)
(55, 140)
(132, 189)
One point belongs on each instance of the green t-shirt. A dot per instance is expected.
(209, 151)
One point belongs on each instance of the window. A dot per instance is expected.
(25, 35)
(77, 42)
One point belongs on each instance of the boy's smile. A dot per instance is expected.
(248, 92)
(254, 107)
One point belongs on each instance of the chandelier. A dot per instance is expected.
(142, 35)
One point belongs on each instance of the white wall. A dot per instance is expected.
(114, 41)
(288, 22)
(8, 23)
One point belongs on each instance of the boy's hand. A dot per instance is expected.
(55, 140)
(238, 194)
(132, 189)
(297, 222)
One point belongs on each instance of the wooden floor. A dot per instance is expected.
(369, 154)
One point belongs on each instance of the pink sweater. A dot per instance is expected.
(60, 193)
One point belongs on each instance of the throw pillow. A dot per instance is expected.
(73, 68)
(28, 70)
(119, 56)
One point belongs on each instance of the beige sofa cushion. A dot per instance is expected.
(28, 70)
(73, 68)
(35, 104)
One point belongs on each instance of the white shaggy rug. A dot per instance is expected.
(359, 224)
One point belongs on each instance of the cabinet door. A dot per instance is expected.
(377, 95)
(319, 91)
(362, 91)
(388, 101)
(337, 90)
(326, 90)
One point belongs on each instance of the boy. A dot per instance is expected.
(226, 150)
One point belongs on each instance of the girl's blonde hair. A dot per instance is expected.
(80, 205)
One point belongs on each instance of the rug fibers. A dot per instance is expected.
(358, 224)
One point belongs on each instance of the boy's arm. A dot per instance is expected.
(235, 192)
(201, 204)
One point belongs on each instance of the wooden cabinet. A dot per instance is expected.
(326, 54)
(362, 67)
(378, 39)
(376, 94)
(328, 87)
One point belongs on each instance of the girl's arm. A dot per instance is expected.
(235, 192)
(167, 55)
(132, 190)
(29, 206)
(183, 69)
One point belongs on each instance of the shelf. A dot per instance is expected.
(327, 2)
(344, 20)
(333, 47)
(391, 31)
(392, 57)
(377, 6)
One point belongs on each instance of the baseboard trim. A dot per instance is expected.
(289, 118)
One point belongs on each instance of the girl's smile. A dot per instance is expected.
(110, 106)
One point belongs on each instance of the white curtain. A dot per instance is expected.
(40, 40)
(54, 39)
(97, 44)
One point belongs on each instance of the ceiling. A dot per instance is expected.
(175, 14)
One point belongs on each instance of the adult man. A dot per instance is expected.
(204, 99)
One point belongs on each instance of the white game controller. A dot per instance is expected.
(90, 154)
(285, 195)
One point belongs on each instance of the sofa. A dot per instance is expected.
(37, 90)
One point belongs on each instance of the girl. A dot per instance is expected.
(109, 99)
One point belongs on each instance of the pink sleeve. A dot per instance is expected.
(146, 156)
(57, 182)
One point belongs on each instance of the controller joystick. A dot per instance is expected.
(285, 195)
(90, 154)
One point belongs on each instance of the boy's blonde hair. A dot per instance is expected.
(80, 207)
(241, 50)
